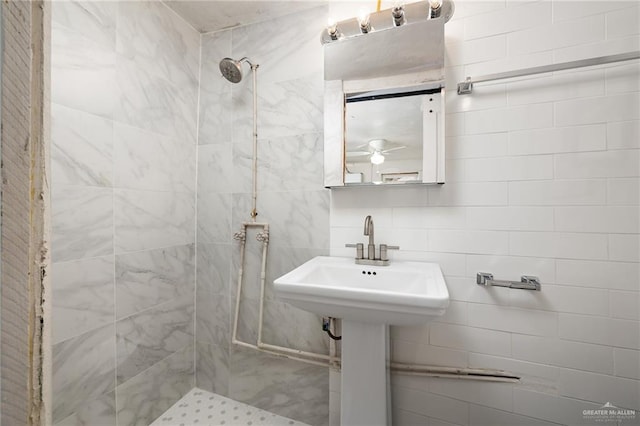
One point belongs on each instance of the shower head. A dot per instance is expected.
(231, 69)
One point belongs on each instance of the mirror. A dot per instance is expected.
(384, 137)
(384, 100)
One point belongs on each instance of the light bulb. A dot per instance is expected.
(377, 158)
(332, 28)
(434, 8)
(363, 20)
(398, 14)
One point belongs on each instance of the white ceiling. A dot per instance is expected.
(215, 15)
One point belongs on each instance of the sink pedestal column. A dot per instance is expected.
(365, 393)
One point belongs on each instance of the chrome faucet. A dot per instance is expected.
(368, 230)
(371, 259)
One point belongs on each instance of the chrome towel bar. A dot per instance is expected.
(526, 282)
(466, 87)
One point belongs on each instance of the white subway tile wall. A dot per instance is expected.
(545, 182)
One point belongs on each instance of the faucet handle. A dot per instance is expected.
(359, 249)
(383, 251)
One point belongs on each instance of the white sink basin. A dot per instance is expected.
(403, 293)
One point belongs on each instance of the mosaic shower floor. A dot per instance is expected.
(202, 408)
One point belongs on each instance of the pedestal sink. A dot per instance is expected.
(368, 299)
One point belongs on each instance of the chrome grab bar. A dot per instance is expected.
(526, 282)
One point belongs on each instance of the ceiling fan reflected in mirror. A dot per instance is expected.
(375, 149)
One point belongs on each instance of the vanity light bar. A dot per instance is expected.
(387, 19)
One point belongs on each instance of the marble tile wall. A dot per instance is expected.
(124, 129)
(291, 199)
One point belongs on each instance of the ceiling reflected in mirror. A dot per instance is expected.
(384, 139)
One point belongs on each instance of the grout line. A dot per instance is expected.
(195, 230)
(156, 364)
(146, 310)
(113, 253)
(125, 253)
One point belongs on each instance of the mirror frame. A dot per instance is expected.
(433, 143)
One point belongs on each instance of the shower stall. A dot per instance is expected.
(155, 158)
